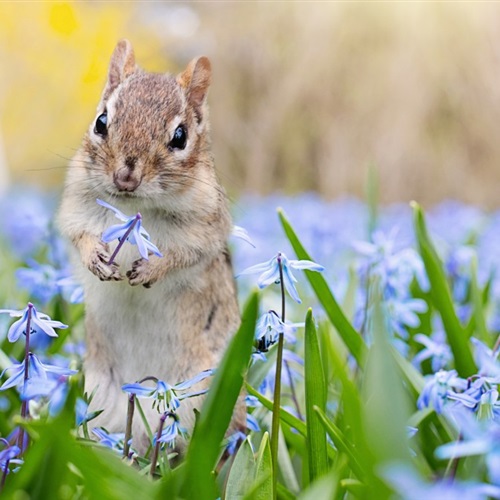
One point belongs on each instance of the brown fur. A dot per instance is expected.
(182, 324)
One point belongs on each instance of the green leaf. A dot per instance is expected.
(386, 403)
(477, 302)
(442, 299)
(315, 387)
(325, 487)
(264, 471)
(285, 464)
(57, 466)
(341, 443)
(412, 376)
(285, 416)
(217, 410)
(349, 335)
(242, 473)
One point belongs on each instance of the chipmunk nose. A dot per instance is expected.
(127, 178)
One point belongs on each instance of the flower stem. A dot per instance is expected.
(156, 450)
(123, 239)
(5, 470)
(497, 345)
(275, 424)
(24, 406)
(294, 393)
(4, 475)
(128, 428)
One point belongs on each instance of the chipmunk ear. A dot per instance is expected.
(121, 66)
(195, 80)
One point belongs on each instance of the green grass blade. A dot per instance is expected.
(324, 487)
(386, 402)
(264, 471)
(349, 335)
(341, 443)
(242, 473)
(442, 299)
(478, 303)
(315, 388)
(215, 415)
(285, 416)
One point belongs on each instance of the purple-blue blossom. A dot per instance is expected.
(435, 348)
(40, 322)
(270, 272)
(36, 370)
(438, 389)
(108, 439)
(165, 396)
(171, 432)
(136, 236)
(242, 234)
(268, 328)
(478, 437)
(409, 485)
(8, 457)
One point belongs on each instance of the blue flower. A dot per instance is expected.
(137, 236)
(110, 440)
(268, 328)
(165, 395)
(40, 280)
(438, 389)
(25, 220)
(234, 440)
(410, 486)
(8, 456)
(395, 267)
(36, 370)
(70, 289)
(486, 360)
(478, 438)
(81, 412)
(271, 272)
(252, 424)
(404, 313)
(170, 432)
(40, 322)
(436, 349)
(242, 233)
(56, 390)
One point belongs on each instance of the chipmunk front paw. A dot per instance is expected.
(98, 265)
(142, 273)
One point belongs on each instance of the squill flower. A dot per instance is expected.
(40, 322)
(271, 272)
(131, 231)
(36, 370)
(165, 394)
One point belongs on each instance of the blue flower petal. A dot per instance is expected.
(198, 378)
(16, 330)
(139, 390)
(114, 232)
(117, 212)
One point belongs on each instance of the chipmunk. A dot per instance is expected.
(148, 150)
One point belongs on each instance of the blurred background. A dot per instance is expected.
(305, 96)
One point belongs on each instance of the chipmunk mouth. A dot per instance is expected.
(122, 194)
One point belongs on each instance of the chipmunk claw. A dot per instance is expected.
(140, 274)
(99, 266)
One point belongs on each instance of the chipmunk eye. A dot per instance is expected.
(179, 139)
(101, 125)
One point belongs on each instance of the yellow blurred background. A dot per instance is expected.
(305, 95)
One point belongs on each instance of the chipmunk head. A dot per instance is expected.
(150, 134)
